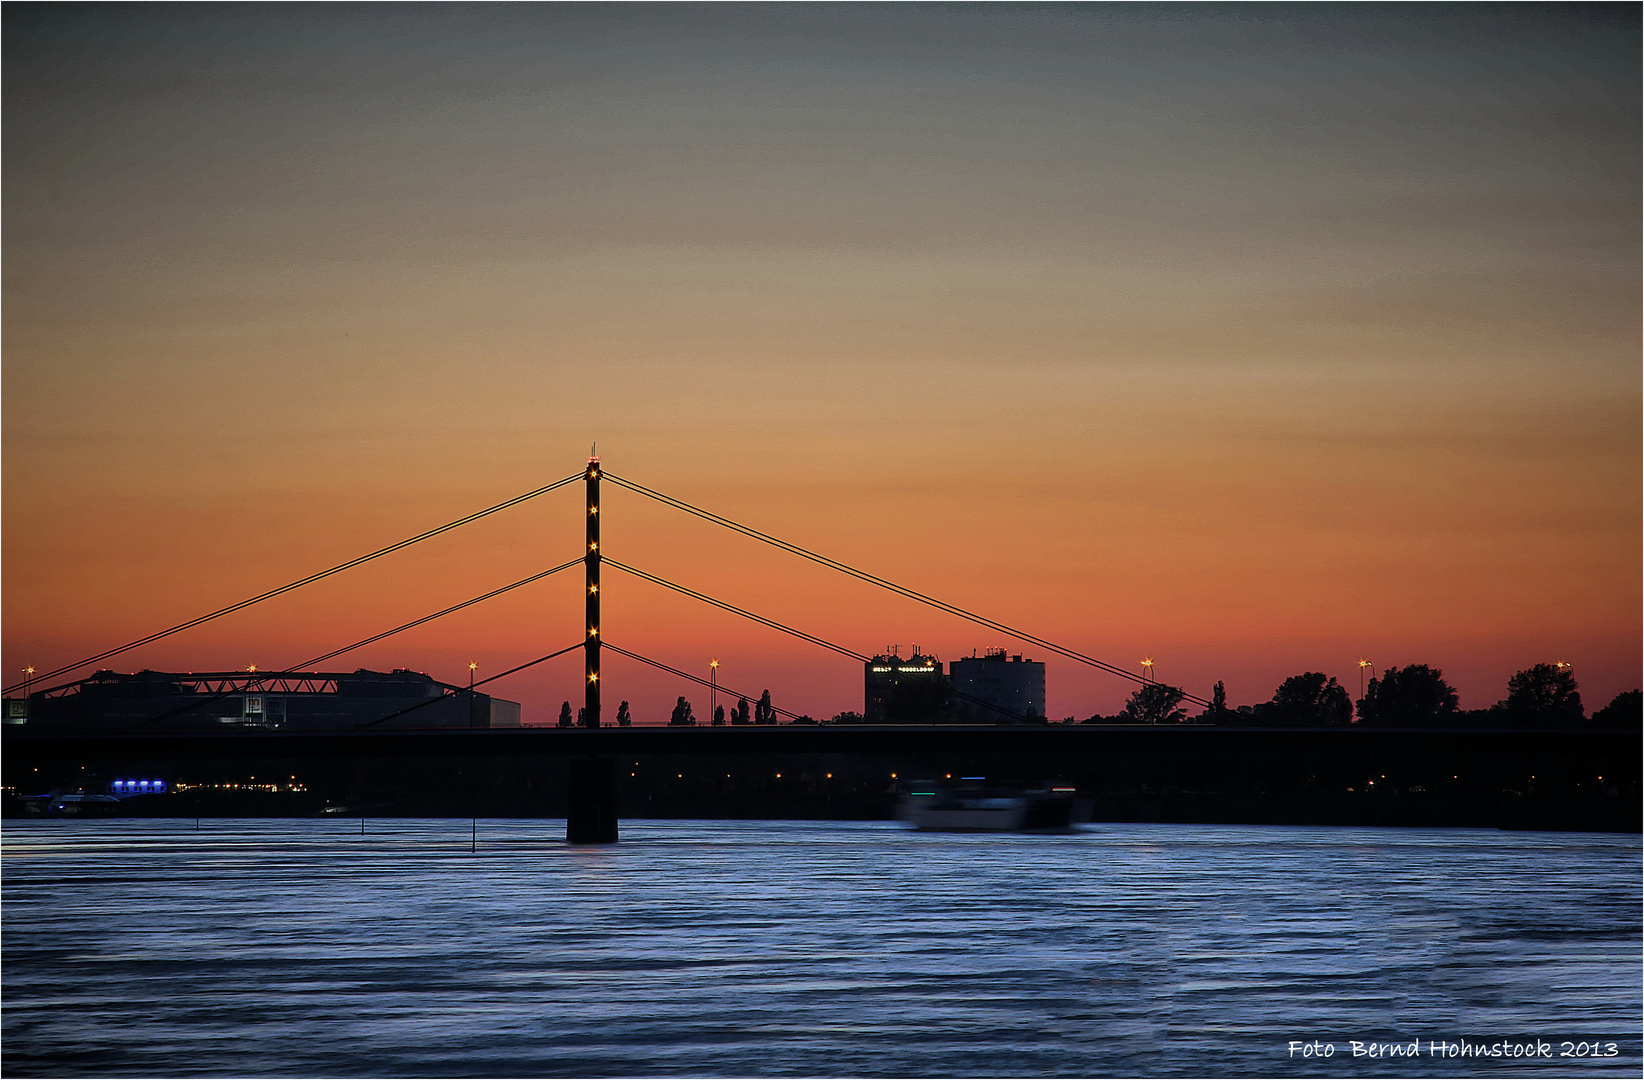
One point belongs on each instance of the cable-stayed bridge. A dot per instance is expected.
(592, 643)
(590, 747)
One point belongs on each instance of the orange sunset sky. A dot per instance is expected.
(1254, 340)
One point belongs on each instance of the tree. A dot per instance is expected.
(1413, 696)
(682, 714)
(1311, 699)
(739, 715)
(1625, 711)
(1154, 703)
(764, 713)
(719, 716)
(847, 718)
(564, 714)
(1217, 712)
(623, 717)
(1545, 695)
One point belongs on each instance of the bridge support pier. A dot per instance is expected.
(591, 816)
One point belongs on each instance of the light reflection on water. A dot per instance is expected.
(717, 948)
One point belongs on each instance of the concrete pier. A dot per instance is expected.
(591, 813)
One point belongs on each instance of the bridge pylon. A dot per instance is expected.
(590, 640)
(591, 812)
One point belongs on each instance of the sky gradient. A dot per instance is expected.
(1255, 340)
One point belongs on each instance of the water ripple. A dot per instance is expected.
(804, 949)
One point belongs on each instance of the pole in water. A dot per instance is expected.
(362, 824)
(473, 834)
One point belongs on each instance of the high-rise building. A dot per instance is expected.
(997, 689)
(911, 690)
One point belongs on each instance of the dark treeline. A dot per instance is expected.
(1415, 696)
(683, 714)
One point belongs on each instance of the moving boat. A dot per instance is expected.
(971, 804)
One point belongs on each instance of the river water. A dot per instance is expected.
(714, 948)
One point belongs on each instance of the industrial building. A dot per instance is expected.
(994, 688)
(159, 701)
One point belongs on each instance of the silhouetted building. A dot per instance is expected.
(109, 701)
(905, 691)
(996, 689)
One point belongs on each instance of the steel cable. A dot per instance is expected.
(459, 692)
(255, 685)
(960, 694)
(694, 678)
(772, 623)
(873, 579)
(309, 580)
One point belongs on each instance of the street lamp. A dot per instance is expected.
(28, 677)
(1147, 670)
(713, 689)
(1362, 665)
(472, 667)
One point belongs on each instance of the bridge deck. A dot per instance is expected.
(1082, 739)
